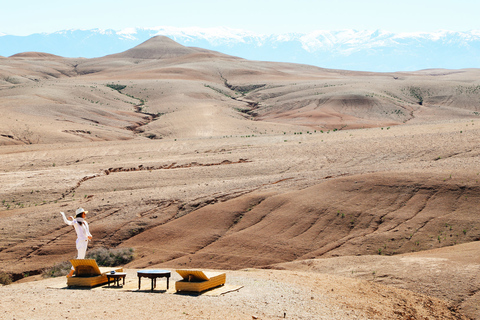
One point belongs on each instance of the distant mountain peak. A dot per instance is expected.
(158, 47)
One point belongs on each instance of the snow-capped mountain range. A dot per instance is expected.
(342, 49)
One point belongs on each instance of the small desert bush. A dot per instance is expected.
(117, 87)
(111, 257)
(5, 278)
(58, 270)
(104, 257)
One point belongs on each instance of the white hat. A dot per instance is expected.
(80, 211)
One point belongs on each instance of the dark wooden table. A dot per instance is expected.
(153, 275)
(116, 278)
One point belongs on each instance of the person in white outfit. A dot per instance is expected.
(83, 233)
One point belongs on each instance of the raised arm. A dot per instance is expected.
(66, 220)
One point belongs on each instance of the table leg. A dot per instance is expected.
(139, 280)
(123, 280)
(167, 282)
(108, 280)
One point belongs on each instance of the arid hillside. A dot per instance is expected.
(199, 159)
(161, 89)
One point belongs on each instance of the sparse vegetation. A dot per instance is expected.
(111, 257)
(11, 80)
(246, 89)
(118, 87)
(415, 92)
(218, 90)
(471, 90)
(58, 270)
(5, 278)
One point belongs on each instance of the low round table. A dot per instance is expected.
(116, 278)
(153, 275)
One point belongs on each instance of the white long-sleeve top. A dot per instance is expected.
(83, 231)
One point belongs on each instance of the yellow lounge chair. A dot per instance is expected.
(88, 274)
(198, 281)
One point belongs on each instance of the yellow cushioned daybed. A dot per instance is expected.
(198, 281)
(88, 274)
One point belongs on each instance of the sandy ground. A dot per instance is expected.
(265, 294)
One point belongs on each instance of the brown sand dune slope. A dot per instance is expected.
(331, 219)
(449, 273)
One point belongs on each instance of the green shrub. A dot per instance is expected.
(58, 270)
(5, 278)
(111, 257)
(104, 257)
(117, 87)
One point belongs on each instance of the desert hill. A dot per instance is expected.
(35, 55)
(161, 77)
(198, 159)
(156, 48)
(160, 47)
(164, 78)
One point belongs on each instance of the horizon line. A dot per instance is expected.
(203, 29)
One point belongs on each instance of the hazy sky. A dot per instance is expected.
(24, 17)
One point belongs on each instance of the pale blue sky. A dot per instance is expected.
(24, 17)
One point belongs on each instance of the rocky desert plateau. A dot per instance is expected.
(324, 194)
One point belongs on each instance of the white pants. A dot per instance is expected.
(81, 249)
